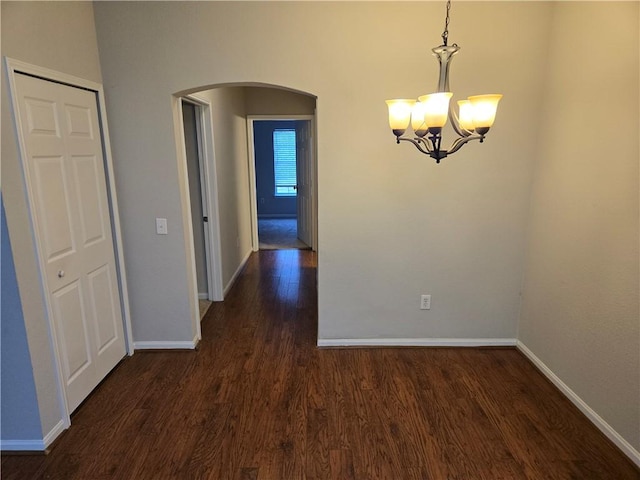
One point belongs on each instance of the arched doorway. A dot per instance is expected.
(227, 194)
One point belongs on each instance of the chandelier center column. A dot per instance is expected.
(444, 54)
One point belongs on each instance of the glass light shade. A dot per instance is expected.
(399, 114)
(436, 107)
(484, 110)
(417, 119)
(465, 115)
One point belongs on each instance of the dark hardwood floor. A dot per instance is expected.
(258, 400)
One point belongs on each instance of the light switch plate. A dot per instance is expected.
(425, 302)
(161, 226)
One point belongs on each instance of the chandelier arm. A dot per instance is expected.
(455, 123)
(428, 143)
(417, 143)
(438, 154)
(460, 142)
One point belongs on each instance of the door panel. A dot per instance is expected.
(72, 331)
(87, 182)
(68, 196)
(53, 205)
(102, 303)
(304, 179)
(79, 122)
(42, 118)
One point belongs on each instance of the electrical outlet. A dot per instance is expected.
(425, 302)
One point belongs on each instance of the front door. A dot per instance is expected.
(64, 171)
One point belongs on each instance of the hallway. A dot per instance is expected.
(258, 400)
(279, 234)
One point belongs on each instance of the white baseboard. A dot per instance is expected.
(37, 445)
(54, 433)
(203, 296)
(22, 445)
(185, 345)
(237, 273)
(596, 419)
(416, 342)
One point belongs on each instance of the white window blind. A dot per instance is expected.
(284, 162)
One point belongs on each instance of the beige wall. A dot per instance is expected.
(59, 36)
(274, 101)
(392, 224)
(580, 313)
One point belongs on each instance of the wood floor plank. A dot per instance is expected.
(259, 401)
(341, 465)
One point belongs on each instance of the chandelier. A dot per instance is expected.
(428, 114)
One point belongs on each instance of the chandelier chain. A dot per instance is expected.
(445, 34)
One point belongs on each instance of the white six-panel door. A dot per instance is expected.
(67, 188)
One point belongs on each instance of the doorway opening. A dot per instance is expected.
(191, 116)
(228, 176)
(200, 172)
(282, 160)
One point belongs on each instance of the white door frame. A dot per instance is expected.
(255, 243)
(209, 189)
(15, 67)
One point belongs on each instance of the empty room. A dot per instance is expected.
(461, 296)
